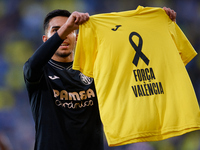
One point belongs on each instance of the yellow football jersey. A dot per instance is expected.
(137, 59)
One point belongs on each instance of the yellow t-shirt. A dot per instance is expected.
(137, 59)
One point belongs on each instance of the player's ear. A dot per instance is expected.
(44, 38)
(76, 33)
(76, 36)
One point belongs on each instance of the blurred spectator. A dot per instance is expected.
(4, 143)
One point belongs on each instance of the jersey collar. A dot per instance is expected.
(60, 65)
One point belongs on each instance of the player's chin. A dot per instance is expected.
(64, 53)
(63, 50)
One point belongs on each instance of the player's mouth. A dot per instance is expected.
(64, 45)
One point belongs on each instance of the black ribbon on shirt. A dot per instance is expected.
(138, 49)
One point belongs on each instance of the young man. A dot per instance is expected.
(63, 101)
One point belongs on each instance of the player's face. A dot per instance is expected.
(66, 49)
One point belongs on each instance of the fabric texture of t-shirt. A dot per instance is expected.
(137, 59)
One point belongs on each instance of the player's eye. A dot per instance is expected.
(54, 30)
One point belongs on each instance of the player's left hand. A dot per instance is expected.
(171, 13)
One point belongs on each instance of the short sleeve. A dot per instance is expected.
(183, 45)
(85, 52)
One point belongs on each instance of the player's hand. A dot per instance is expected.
(171, 13)
(76, 19)
(72, 23)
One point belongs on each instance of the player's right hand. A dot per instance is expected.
(72, 23)
(76, 19)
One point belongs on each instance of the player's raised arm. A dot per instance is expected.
(171, 13)
(34, 67)
(75, 19)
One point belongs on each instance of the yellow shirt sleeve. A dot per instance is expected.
(183, 45)
(85, 55)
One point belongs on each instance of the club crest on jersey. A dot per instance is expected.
(85, 80)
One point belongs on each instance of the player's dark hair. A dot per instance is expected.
(54, 13)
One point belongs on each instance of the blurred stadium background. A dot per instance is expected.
(21, 33)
